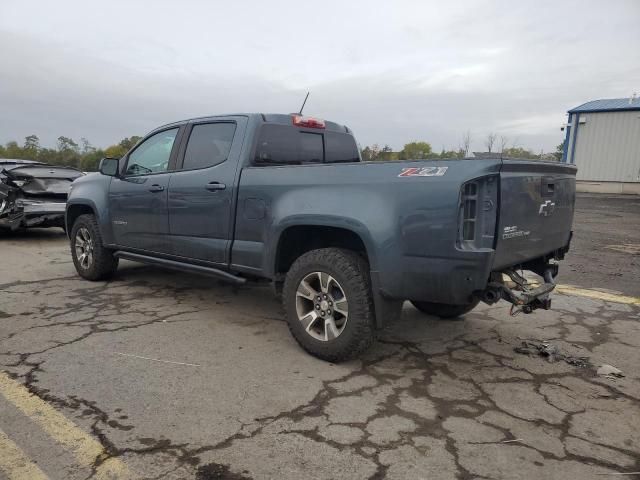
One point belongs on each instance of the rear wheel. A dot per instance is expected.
(328, 304)
(443, 310)
(92, 260)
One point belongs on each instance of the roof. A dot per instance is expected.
(280, 118)
(608, 105)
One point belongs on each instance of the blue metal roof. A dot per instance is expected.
(608, 105)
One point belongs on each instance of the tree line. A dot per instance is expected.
(493, 144)
(86, 157)
(67, 152)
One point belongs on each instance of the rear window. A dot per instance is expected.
(340, 147)
(281, 144)
(285, 145)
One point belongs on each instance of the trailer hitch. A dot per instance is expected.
(525, 296)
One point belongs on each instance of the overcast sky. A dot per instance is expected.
(394, 71)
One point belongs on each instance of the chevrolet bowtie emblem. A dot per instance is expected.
(547, 208)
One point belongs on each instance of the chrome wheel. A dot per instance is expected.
(322, 306)
(84, 248)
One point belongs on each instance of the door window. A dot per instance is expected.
(152, 155)
(209, 144)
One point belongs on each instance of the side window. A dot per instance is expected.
(341, 147)
(282, 144)
(209, 144)
(153, 154)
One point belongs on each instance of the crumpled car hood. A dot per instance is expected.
(43, 179)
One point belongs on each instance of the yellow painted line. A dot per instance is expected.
(597, 295)
(15, 463)
(83, 446)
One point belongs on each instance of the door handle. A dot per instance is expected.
(156, 188)
(215, 186)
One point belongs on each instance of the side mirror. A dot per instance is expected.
(109, 166)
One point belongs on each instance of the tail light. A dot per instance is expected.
(478, 213)
(469, 203)
(308, 122)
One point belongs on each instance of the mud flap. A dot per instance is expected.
(386, 310)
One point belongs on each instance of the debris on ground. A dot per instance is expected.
(551, 353)
(609, 371)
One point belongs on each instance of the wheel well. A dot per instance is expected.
(298, 240)
(73, 212)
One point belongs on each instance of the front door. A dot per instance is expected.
(201, 191)
(138, 199)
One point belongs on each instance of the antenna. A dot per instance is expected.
(303, 103)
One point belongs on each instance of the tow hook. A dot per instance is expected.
(525, 296)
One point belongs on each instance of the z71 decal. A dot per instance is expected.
(423, 172)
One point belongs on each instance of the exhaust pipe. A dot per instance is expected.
(491, 295)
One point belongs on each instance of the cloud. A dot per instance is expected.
(392, 71)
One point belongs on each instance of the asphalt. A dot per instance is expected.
(162, 375)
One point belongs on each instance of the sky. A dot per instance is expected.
(393, 71)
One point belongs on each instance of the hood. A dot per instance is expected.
(42, 179)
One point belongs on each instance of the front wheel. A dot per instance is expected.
(92, 260)
(328, 304)
(443, 310)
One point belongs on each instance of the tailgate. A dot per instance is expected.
(536, 210)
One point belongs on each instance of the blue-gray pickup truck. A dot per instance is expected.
(287, 198)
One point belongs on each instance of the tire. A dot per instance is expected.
(99, 264)
(443, 310)
(342, 278)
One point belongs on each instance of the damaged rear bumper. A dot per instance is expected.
(524, 295)
(28, 212)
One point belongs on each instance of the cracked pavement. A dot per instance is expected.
(182, 377)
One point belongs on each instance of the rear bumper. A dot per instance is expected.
(455, 280)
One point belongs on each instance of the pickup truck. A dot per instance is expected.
(287, 198)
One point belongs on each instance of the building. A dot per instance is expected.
(603, 140)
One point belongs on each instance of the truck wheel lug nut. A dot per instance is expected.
(317, 307)
(322, 313)
(324, 296)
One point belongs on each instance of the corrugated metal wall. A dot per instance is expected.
(608, 147)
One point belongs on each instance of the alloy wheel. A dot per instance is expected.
(84, 248)
(321, 305)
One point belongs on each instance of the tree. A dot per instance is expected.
(86, 146)
(387, 153)
(559, 153)
(415, 151)
(519, 152)
(504, 141)
(66, 143)
(67, 152)
(372, 153)
(32, 143)
(465, 144)
(451, 154)
(366, 154)
(128, 143)
(490, 141)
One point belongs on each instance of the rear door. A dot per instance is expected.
(202, 192)
(138, 199)
(536, 210)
